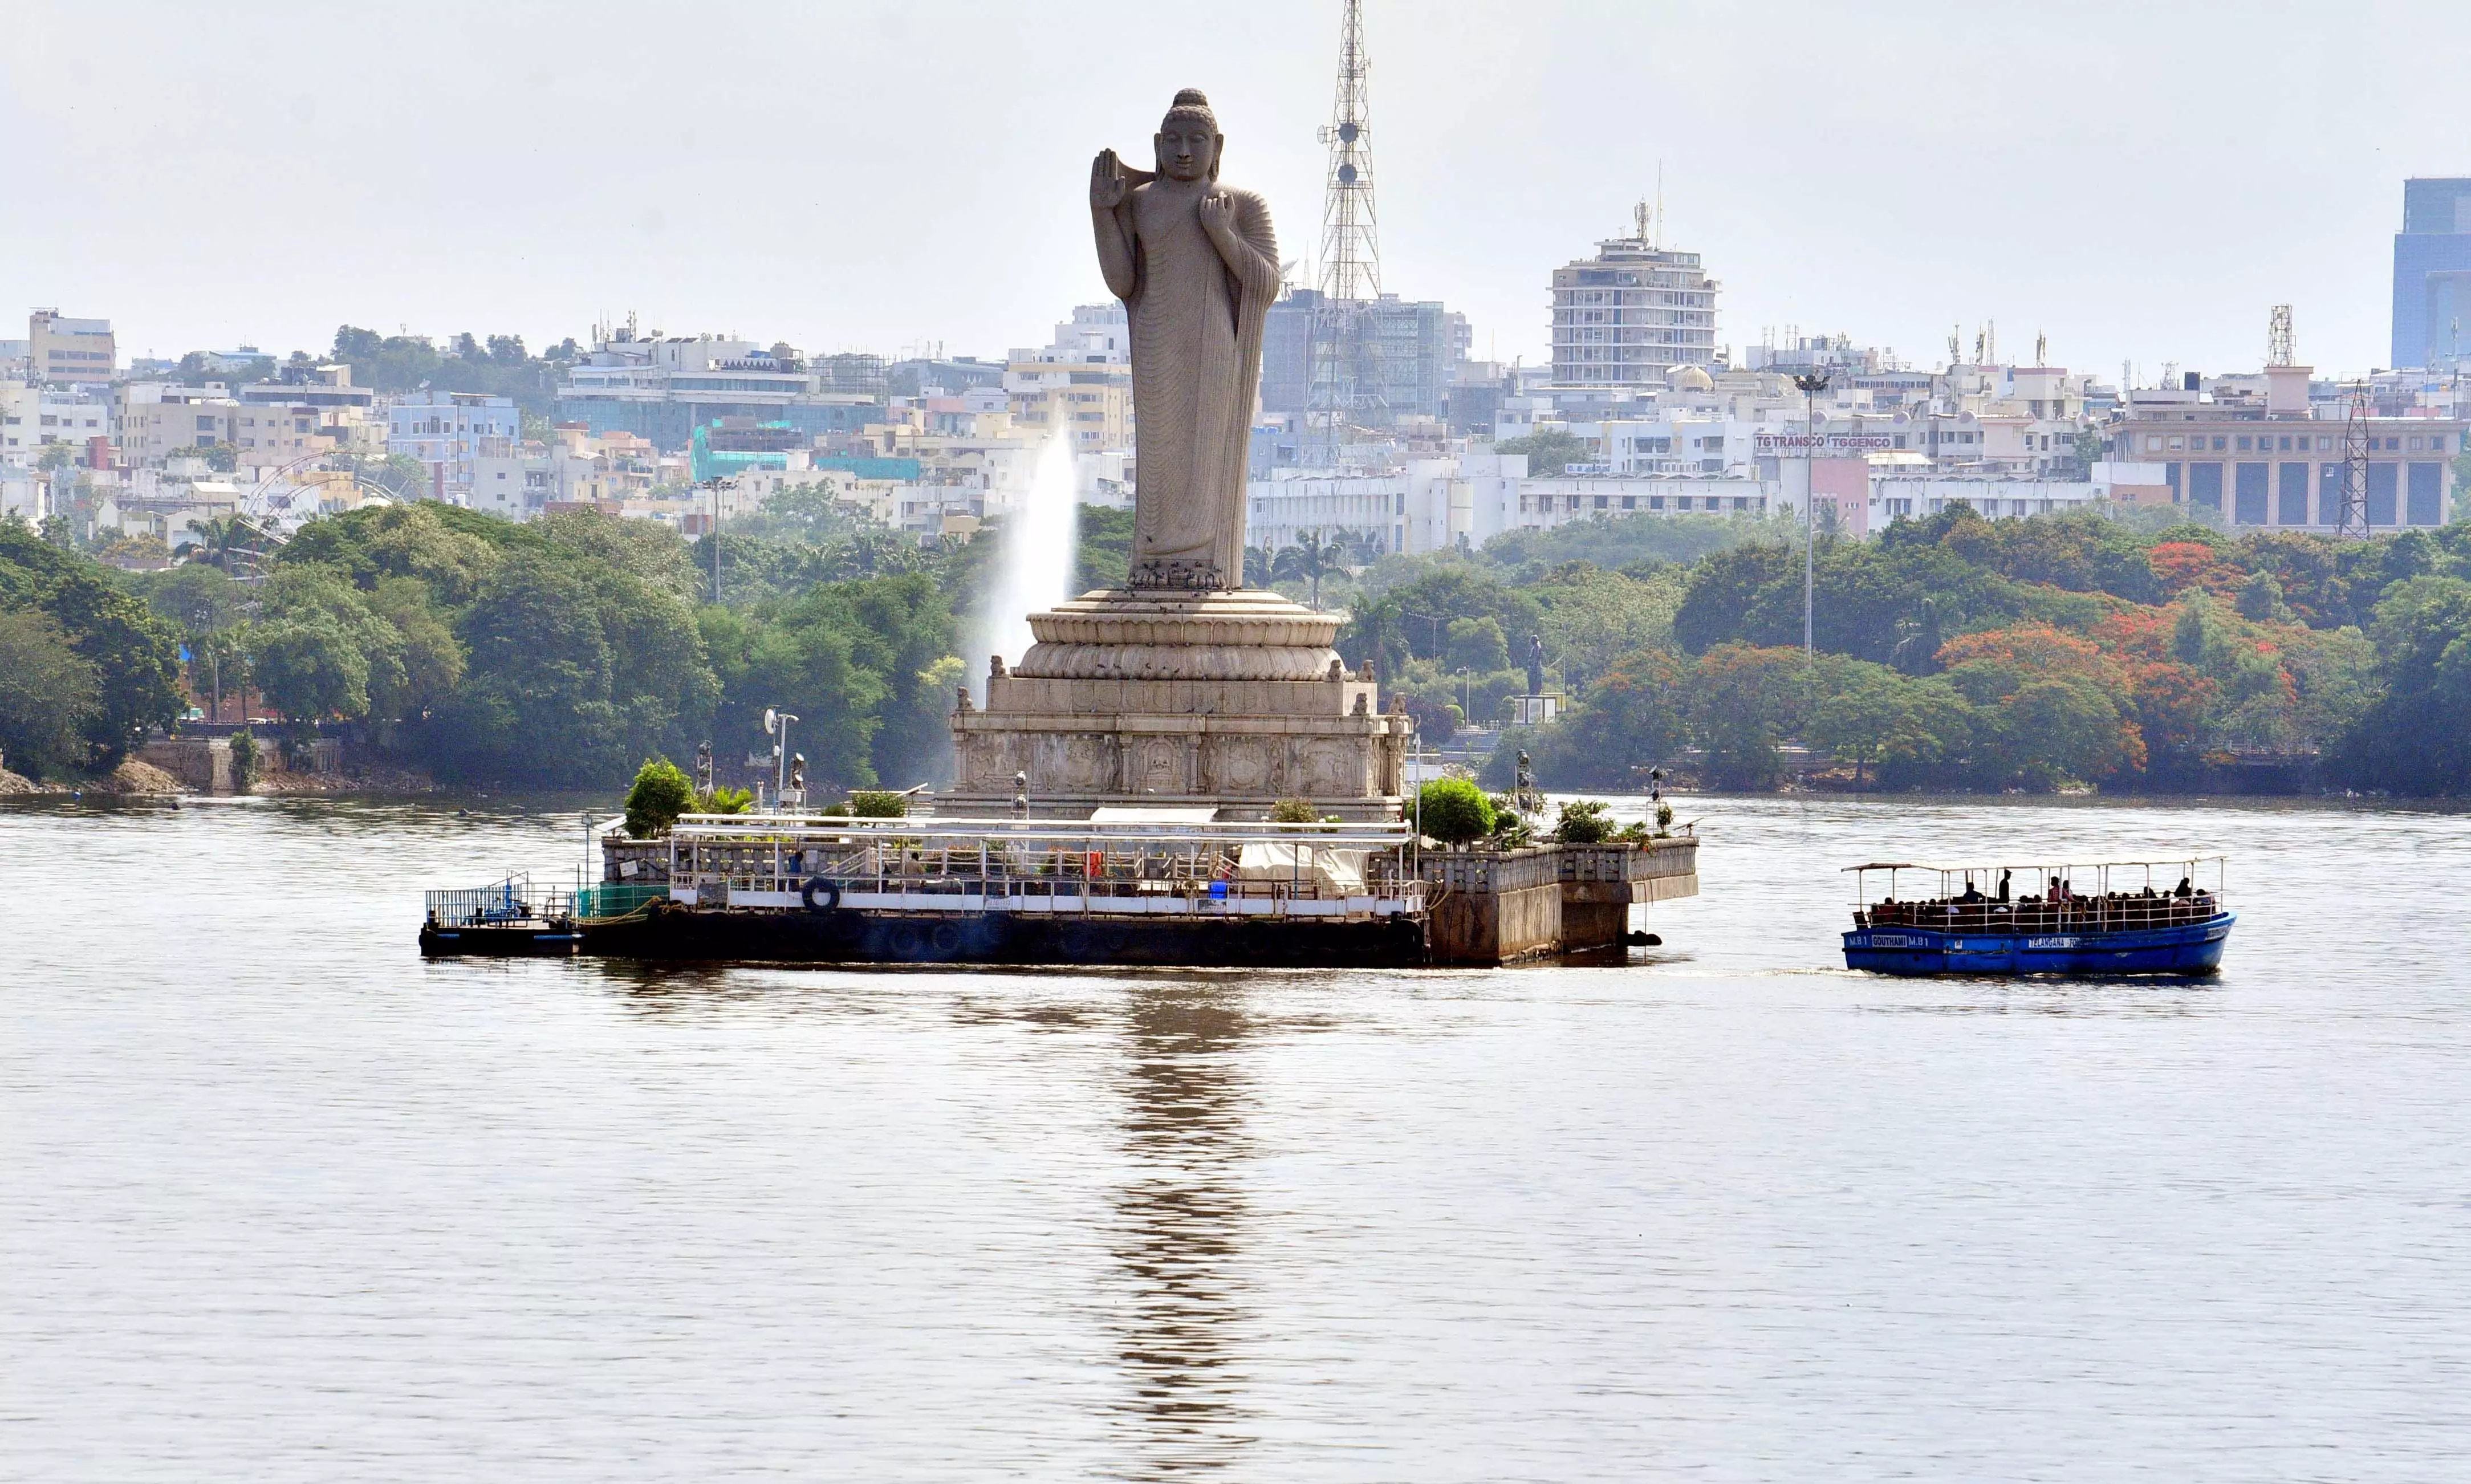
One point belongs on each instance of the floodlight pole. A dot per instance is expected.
(780, 753)
(1811, 383)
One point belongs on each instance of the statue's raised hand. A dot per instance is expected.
(1219, 214)
(1107, 183)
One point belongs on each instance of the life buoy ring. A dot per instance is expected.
(945, 938)
(820, 895)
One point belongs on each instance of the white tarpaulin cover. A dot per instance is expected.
(1332, 872)
(1155, 814)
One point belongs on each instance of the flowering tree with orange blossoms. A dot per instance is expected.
(2036, 648)
(2180, 565)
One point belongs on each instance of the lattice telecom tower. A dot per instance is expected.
(2353, 521)
(2281, 349)
(1345, 380)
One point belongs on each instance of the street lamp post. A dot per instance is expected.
(1810, 384)
(776, 726)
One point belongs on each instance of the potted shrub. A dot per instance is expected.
(1453, 810)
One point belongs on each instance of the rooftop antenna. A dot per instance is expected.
(2280, 349)
(2042, 349)
(1660, 196)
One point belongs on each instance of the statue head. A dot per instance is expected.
(1188, 141)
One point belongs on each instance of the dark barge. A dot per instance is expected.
(1137, 890)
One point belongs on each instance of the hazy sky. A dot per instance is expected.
(2139, 181)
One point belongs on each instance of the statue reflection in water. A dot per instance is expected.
(1180, 1217)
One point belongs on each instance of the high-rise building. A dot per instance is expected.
(1408, 353)
(1632, 313)
(2432, 276)
(62, 349)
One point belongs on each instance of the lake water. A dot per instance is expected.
(284, 1202)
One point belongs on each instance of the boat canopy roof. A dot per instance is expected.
(916, 829)
(2038, 863)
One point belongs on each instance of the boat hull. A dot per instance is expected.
(2178, 948)
(843, 936)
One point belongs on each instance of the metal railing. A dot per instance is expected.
(509, 901)
(1097, 867)
(2114, 914)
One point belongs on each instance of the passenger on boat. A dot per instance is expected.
(2183, 890)
(2003, 885)
(1972, 893)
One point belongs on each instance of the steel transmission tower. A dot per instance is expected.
(2353, 521)
(1346, 383)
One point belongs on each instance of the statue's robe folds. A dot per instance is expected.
(1196, 344)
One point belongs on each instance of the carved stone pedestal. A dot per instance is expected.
(1164, 697)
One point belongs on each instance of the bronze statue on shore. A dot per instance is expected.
(1196, 265)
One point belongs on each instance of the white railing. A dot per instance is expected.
(1214, 869)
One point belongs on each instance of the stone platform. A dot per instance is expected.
(1157, 696)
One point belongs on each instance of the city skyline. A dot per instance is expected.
(804, 175)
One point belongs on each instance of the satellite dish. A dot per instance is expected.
(1347, 134)
(771, 721)
(1346, 174)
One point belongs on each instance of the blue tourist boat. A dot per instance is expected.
(2090, 919)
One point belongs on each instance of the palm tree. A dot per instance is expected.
(225, 538)
(1307, 558)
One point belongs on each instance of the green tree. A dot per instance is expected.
(1891, 728)
(1744, 702)
(1550, 450)
(429, 659)
(1477, 646)
(1453, 810)
(308, 668)
(660, 793)
(319, 650)
(534, 704)
(1592, 618)
(1636, 716)
(50, 696)
(1104, 558)
(2414, 738)
(2061, 728)
(1584, 822)
(244, 759)
(135, 655)
(221, 458)
(2260, 599)
(803, 662)
(228, 541)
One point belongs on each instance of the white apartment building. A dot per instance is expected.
(24, 494)
(1631, 314)
(32, 415)
(1675, 444)
(1428, 505)
(1543, 504)
(1894, 499)
(449, 432)
(1081, 383)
